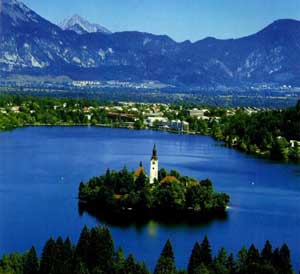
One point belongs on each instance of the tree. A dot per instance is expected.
(101, 250)
(48, 257)
(267, 253)
(253, 255)
(31, 264)
(294, 153)
(195, 259)
(67, 256)
(119, 260)
(220, 263)
(231, 265)
(166, 261)
(175, 173)
(82, 250)
(206, 256)
(170, 196)
(131, 267)
(284, 263)
(141, 181)
(242, 260)
(217, 131)
(279, 149)
(162, 173)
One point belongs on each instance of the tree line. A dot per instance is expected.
(172, 195)
(266, 133)
(53, 111)
(95, 253)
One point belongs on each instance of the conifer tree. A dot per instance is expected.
(195, 259)
(129, 266)
(220, 262)
(231, 265)
(253, 255)
(31, 264)
(242, 260)
(285, 260)
(166, 261)
(83, 246)
(108, 250)
(267, 252)
(67, 256)
(102, 249)
(119, 260)
(206, 252)
(48, 255)
(58, 259)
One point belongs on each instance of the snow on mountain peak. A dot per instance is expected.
(81, 26)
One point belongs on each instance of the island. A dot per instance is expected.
(162, 195)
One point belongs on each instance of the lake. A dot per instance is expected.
(41, 167)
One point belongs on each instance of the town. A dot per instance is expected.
(161, 116)
(234, 126)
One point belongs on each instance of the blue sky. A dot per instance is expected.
(180, 19)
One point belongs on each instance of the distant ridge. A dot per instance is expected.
(33, 46)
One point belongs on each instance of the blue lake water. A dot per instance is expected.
(40, 169)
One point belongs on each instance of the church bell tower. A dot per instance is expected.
(154, 166)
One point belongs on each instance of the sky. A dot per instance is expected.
(180, 19)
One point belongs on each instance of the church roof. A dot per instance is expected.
(154, 153)
(139, 171)
(169, 179)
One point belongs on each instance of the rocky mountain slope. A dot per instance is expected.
(31, 45)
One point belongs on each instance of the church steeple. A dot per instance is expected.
(154, 153)
(154, 166)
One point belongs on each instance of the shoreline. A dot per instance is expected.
(259, 155)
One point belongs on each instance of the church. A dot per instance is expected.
(153, 167)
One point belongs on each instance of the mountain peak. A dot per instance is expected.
(283, 25)
(81, 25)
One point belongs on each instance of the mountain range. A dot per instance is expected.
(31, 45)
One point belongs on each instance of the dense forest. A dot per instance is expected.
(172, 195)
(266, 133)
(95, 253)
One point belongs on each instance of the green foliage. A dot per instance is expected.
(53, 111)
(95, 253)
(195, 259)
(12, 264)
(265, 133)
(124, 192)
(31, 263)
(169, 196)
(166, 261)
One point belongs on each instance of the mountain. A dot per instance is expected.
(82, 26)
(31, 45)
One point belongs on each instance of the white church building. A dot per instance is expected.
(153, 166)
